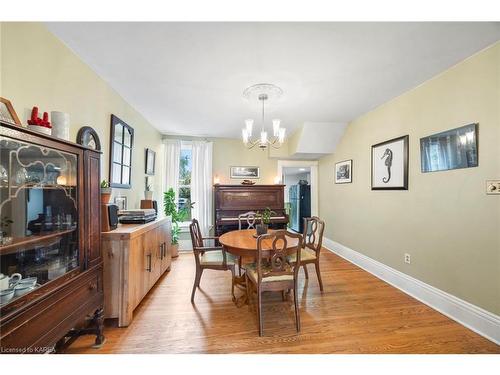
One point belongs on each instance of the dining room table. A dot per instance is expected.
(243, 244)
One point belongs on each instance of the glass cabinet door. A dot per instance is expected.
(39, 216)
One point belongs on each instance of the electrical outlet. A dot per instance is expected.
(407, 258)
(493, 187)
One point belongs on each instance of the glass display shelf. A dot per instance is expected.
(39, 233)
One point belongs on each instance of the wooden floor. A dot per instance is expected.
(356, 313)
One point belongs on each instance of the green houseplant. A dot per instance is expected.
(105, 192)
(265, 221)
(170, 209)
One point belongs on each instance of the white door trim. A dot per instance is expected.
(313, 165)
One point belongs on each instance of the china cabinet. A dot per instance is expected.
(50, 256)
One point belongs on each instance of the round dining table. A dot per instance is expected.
(243, 244)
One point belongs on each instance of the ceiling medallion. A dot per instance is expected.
(263, 92)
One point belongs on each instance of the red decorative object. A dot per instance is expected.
(35, 120)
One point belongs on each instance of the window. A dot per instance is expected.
(184, 203)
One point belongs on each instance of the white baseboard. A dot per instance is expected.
(475, 318)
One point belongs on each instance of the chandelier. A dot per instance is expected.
(263, 92)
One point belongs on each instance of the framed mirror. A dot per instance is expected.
(120, 158)
(452, 149)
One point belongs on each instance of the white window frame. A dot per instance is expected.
(185, 145)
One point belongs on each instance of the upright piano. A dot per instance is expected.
(233, 200)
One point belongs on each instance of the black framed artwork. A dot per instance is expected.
(390, 164)
(150, 162)
(343, 172)
(120, 158)
(88, 137)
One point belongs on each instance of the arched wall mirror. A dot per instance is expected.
(120, 158)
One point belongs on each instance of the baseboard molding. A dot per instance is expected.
(475, 318)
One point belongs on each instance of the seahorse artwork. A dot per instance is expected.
(388, 163)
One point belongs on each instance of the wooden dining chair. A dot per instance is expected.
(251, 218)
(311, 245)
(209, 257)
(273, 271)
(247, 220)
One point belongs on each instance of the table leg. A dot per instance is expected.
(240, 283)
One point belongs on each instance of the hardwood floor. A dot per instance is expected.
(356, 313)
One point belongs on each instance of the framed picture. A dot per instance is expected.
(343, 172)
(7, 113)
(390, 164)
(88, 137)
(245, 172)
(451, 149)
(150, 162)
(121, 202)
(120, 159)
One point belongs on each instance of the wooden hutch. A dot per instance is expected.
(50, 238)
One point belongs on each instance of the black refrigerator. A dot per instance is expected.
(300, 205)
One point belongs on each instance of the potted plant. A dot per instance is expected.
(265, 221)
(105, 192)
(170, 208)
(148, 193)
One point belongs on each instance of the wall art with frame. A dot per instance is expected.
(390, 164)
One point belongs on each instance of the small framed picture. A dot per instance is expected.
(343, 172)
(245, 172)
(150, 162)
(121, 202)
(7, 113)
(390, 164)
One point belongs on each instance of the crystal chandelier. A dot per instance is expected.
(263, 92)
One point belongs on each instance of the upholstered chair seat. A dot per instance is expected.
(216, 258)
(305, 255)
(251, 269)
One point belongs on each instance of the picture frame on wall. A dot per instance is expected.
(150, 162)
(7, 113)
(389, 169)
(343, 172)
(242, 172)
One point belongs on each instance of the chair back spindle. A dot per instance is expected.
(251, 219)
(313, 233)
(277, 261)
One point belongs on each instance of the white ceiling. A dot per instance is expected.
(188, 78)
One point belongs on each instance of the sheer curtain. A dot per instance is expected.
(171, 162)
(201, 184)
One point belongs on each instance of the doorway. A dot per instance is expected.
(301, 190)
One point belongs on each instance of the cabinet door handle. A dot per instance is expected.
(149, 263)
(161, 251)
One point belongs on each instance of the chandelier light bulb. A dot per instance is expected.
(276, 127)
(249, 125)
(281, 135)
(244, 134)
(263, 137)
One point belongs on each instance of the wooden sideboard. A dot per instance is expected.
(135, 256)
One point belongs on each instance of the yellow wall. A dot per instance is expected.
(445, 220)
(38, 69)
(232, 152)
